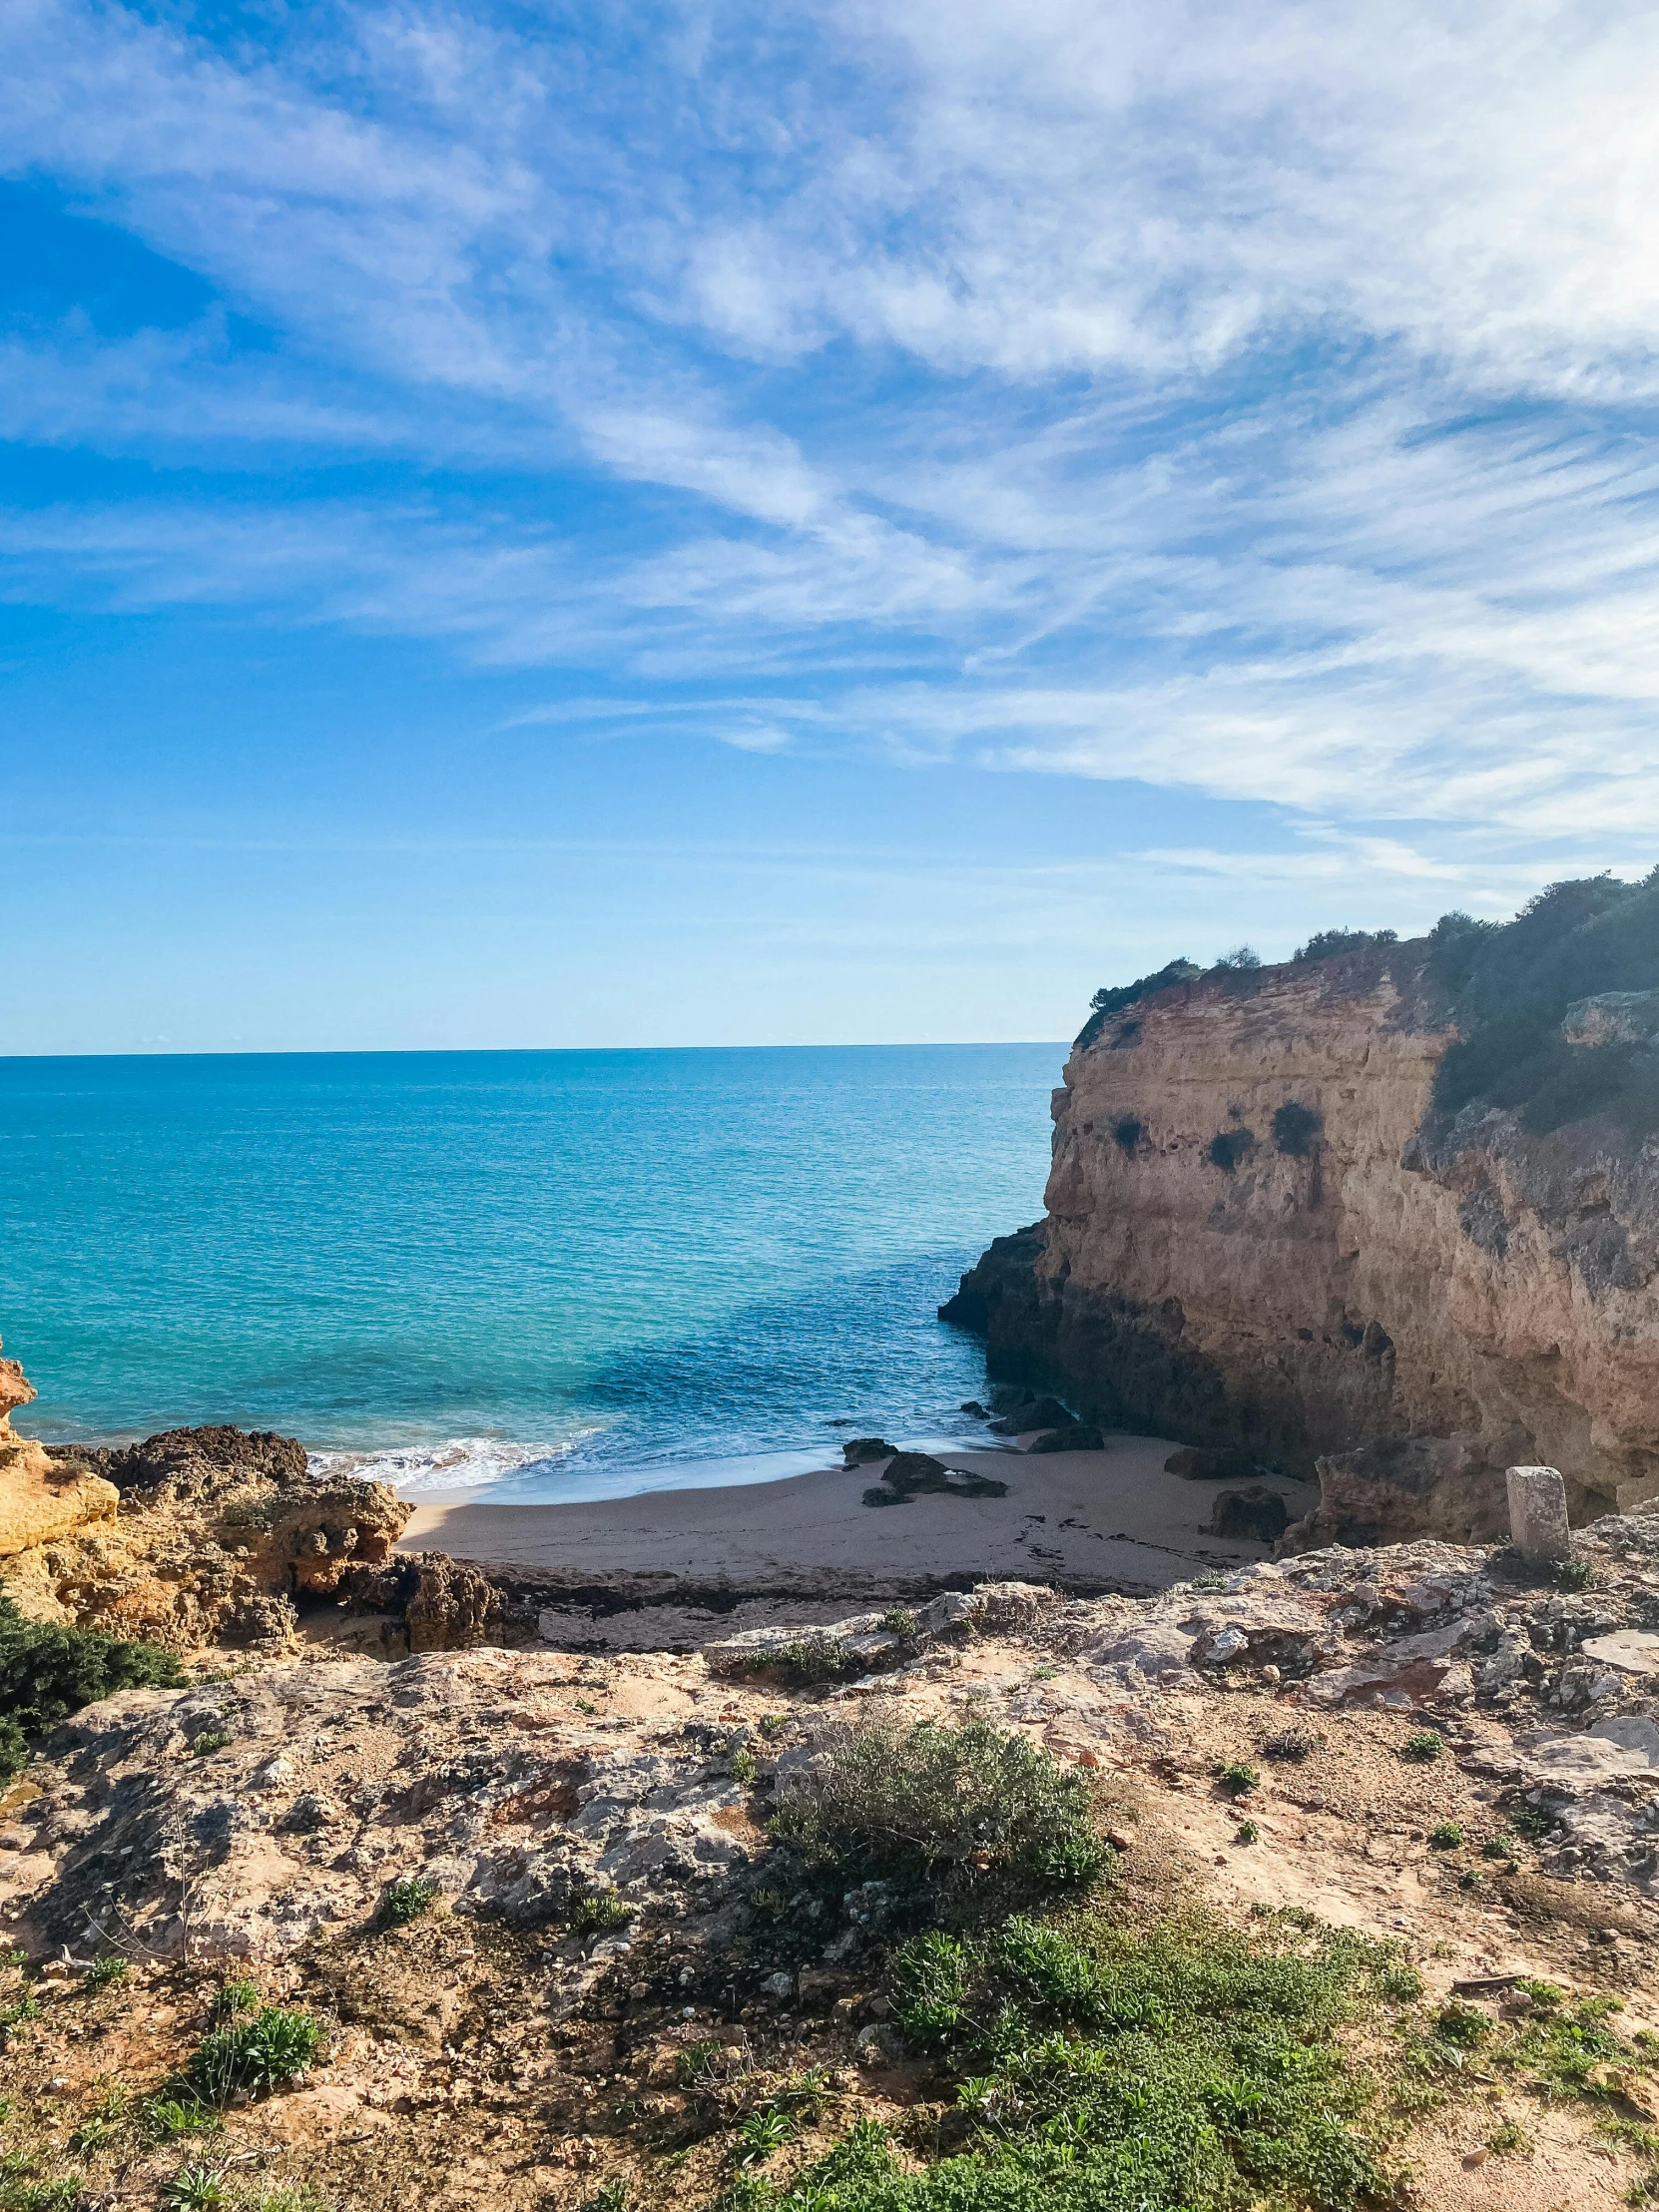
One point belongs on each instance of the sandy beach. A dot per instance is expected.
(1086, 1520)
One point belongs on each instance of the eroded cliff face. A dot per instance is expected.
(1257, 1233)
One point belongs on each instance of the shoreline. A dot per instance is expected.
(619, 1570)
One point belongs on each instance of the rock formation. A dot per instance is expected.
(40, 1500)
(1271, 1227)
(217, 1535)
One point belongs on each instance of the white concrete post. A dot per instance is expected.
(1538, 1513)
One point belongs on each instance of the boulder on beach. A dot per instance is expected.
(1075, 1436)
(1257, 1514)
(860, 1448)
(908, 1473)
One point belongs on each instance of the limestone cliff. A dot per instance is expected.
(1272, 1222)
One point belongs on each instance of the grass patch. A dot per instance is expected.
(257, 2054)
(1098, 2070)
(947, 1809)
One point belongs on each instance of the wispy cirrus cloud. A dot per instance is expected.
(1250, 400)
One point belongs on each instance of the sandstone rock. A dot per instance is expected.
(1257, 1514)
(1538, 1513)
(869, 1642)
(1612, 1018)
(39, 1500)
(1403, 1487)
(1078, 1437)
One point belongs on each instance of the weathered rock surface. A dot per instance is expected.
(218, 1535)
(1404, 1307)
(39, 1500)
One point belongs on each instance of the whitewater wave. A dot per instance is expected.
(457, 1463)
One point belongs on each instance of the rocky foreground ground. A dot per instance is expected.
(560, 1956)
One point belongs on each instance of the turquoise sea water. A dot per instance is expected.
(569, 1274)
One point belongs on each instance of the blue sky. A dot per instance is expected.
(564, 525)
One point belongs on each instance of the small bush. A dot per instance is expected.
(407, 1900)
(1472, 1878)
(1572, 1574)
(600, 1910)
(1499, 1846)
(1422, 1749)
(1290, 1745)
(47, 1673)
(105, 1973)
(1447, 1837)
(1534, 1821)
(257, 2055)
(1241, 956)
(745, 1767)
(232, 1998)
(1237, 1777)
(1229, 1148)
(1324, 944)
(171, 2114)
(761, 2134)
(1463, 2024)
(1248, 1832)
(901, 1621)
(1508, 2138)
(211, 1740)
(197, 2187)
(933, 1804)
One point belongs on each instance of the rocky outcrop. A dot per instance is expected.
(40, 1501)
(220, 1536)
(1261, 1232)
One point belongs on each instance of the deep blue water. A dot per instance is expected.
(584, 1271)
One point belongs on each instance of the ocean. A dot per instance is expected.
(554, 1275)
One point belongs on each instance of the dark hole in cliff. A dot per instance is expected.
(1229, 1147)
(1127, 1132)
(1295, 1129)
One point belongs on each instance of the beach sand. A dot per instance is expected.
(807, 1549)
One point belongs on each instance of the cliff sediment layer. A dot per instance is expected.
(1272, 1223)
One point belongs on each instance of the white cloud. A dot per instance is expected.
(1247, 400)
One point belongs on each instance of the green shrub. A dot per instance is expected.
(932, 1804)
(600, 1910)
(1499, 1846)
(1248, 1832)
(196, 2187)
(1572, 1574)
(1447, 1837)
(257, 2055)
(105, 1972)
(1324, 944)
(1423, 1748)
(47, 1673)
(1237, 1777)
(405, 1901)
(901, 1621)
(761, 2134)
(210, 1741)
(1534, 1821)
(232, 1998)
